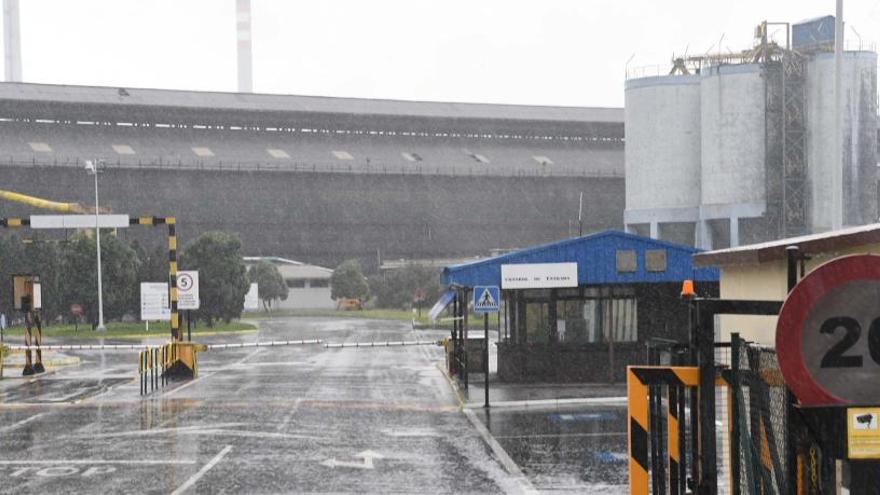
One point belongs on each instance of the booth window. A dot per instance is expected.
(655, 260)
(608, 319)
(626, 260)
(585, 320)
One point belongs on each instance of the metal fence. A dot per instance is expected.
(759, 421)
(323, 167)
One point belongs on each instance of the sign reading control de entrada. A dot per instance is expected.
(539, 276)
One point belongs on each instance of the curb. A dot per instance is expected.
(554, 403)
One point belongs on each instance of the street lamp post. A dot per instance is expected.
(92, 168)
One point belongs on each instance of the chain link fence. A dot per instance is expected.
(759, 426)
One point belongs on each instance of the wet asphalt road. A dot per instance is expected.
(289, 420)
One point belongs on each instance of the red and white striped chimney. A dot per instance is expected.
(245, 62)
(12, 40)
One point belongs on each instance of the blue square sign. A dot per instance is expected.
(486, 298)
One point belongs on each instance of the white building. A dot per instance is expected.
(308, 285)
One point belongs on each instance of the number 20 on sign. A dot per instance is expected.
(828, 333)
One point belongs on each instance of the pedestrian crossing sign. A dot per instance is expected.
(486, 298)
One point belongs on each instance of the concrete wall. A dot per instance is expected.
(662, 119)
(326, 218)
(859, 110)
(308, 298)
(732, 145)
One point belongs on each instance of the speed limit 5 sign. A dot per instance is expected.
(828, 333)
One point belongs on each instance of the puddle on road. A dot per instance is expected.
(574, 449)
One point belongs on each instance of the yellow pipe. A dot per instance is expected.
(45, 204)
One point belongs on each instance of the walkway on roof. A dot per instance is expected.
(597, 258)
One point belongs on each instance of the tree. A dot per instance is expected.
(348, 281)
(396, 288)
(222, 275)
(270, 282)
(119, 265)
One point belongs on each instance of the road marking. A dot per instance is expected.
(207, 467)
(367, 456)
(289, 415)
(23, 422)
(217, 430)
(209, 375)
(145, 462)
(545, 403)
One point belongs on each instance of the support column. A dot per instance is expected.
(734, 231)
(655, 230)
(703, 235)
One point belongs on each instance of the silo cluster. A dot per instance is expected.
(741, 149)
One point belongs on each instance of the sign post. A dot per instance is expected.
(188, 296)
(486, 299)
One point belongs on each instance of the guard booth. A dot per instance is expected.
(582, 309)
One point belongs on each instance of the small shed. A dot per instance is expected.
(581, 309)
(759, 271)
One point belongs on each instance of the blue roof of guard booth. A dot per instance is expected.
(595, 255)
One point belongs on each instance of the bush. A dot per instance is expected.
(397, 288)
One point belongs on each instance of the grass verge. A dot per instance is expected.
(131, 330)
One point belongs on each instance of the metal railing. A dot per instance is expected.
(325, 168)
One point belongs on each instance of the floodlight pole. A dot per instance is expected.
(93, 168)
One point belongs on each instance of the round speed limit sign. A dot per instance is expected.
(185, 281)
(828, 334)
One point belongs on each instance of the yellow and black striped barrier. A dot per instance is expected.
(173, 361)
(646, 456)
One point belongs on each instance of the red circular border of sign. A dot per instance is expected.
(795, 311)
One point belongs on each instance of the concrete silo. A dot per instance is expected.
(766, 130)
(859, 137)
(662, 121)
(732, 148)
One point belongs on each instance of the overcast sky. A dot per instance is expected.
(551, 52)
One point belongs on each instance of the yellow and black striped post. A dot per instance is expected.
(172, 273)
(675, 401)
(637, 407)
(638, 378)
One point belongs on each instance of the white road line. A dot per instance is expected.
(145, 462)
(23, 422)
(205, 376)
(207, 467)
(545, 403)
(289, 415)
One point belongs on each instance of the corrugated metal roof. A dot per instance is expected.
(775, 250)
(595, 255)
(142, 97)
(292, 269)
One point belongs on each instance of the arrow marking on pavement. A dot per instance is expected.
(367, 456)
